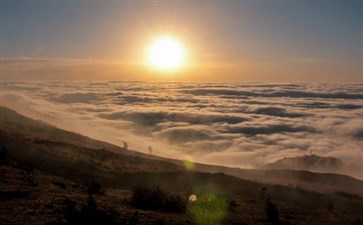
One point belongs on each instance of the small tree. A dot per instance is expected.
(263, 192)
(330, 206)
(94, 188)
(272, 212)
(4, 154)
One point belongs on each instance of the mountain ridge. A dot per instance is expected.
(315, 163)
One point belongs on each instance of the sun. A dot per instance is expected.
(166, 53)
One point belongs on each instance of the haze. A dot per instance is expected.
(272, 41)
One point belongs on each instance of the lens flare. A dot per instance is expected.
(188, 163)
(208, 209)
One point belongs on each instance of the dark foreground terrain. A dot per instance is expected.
(51, 176)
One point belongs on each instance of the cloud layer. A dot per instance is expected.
(243, 125)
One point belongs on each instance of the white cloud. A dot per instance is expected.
(242, 125)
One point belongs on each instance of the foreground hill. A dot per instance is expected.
(34, 197)
(43, 168)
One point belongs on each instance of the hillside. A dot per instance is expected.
(45, 170)
(67, 154)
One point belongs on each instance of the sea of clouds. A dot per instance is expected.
(242, 125)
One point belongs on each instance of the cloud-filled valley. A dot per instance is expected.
(242, 125)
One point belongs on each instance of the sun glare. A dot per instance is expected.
(166, 53)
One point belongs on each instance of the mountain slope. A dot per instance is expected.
(63, 163)
(74, 156)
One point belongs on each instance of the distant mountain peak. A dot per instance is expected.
(315, 163)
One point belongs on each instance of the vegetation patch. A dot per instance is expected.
(89, 214)
(9, 195)
(209, 209)
(157, 200)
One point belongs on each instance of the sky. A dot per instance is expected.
(267, 41)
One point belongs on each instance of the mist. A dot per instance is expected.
(239, 125)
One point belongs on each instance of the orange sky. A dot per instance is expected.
(301, 41)
(81, 69)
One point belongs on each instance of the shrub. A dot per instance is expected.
(272, 212)
(89, 214)
(94, 188)
(330, 206)
(4, 154)
(132, 220)
(30, 180)
(263, 193)
(10, 195)
(60, 184)
(156, 199)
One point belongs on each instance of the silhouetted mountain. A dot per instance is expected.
(315, 163)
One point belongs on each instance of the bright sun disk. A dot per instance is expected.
(166, 53)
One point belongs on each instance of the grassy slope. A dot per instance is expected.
(45, 203)
(59, 154)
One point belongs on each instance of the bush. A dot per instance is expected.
(89, 214)
(330, 206)
(156, 199)
(132, 220)
(94, 188)
(4, 154)
(272, 212)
